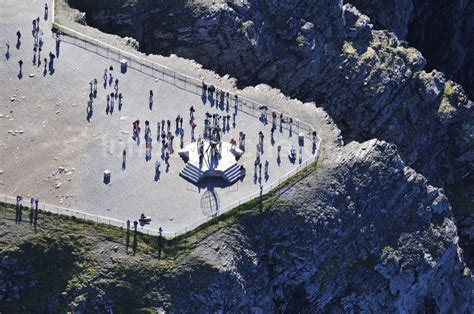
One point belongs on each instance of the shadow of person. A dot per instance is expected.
(278, 161)
(20, 75)
(90, 112)
(7, 55)
(124, 164)
(51, 68)
(45, 16)
(107, 109)
(157, 175)
(45, 71)
(18, 44)
(150, 104)
(57, 50)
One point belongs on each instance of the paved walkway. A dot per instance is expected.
(60, 156)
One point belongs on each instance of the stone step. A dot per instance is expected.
(191, 172)
(235, 177)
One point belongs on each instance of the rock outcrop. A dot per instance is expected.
(370, 83)
(442, 30)
(363, 233)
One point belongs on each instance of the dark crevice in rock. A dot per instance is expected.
(369, 82)
(442, 30)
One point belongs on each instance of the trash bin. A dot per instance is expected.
(106, 176)
(123, 65)
(301, 139)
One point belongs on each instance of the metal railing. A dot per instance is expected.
(192, 85)
(173, 77)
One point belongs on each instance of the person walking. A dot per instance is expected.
(8, 47)
(20, 63)
(191, 112)
(46, 9)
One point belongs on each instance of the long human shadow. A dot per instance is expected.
(90, 112)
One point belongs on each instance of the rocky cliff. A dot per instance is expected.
(371, 83)
(442, 30)
(363, 233)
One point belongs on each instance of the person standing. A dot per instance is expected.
(150, 99)
(193, 126)
(111, 101)
(120, 101)
(105, 78)
(177, 123)
(32, 208)
(20, 63)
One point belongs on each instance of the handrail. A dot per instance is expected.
(122, 53)
(255, 105)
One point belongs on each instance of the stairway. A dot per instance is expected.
(233, 173)
(191, 173)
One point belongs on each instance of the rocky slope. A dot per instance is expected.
(362, 233)
(370, 83)
(442, 30)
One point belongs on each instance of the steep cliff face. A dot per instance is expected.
(442, 30)
(370, 83)
(364, 233)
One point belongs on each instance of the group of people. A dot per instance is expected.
(38, 43)
(34, 208)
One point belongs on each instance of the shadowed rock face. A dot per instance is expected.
(364, 233)
(442, 30)
(370, 83)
